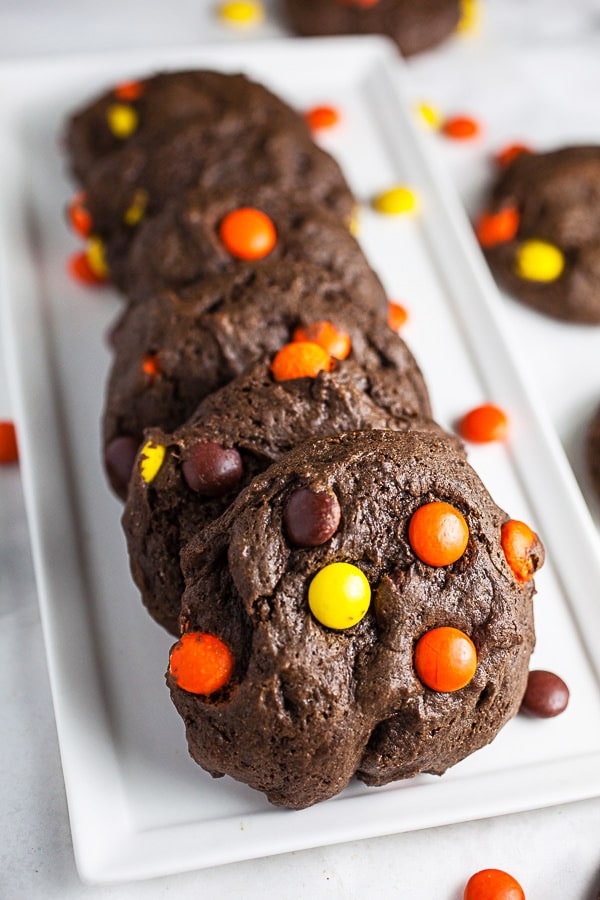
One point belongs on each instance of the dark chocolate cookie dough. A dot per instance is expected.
(306, 706)
(548, 252)
(173, 350)
(234, 434)
(593, 451)
(415, 25)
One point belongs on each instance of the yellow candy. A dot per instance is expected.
(430, 115)
(242, 12)
(96, 258)
(136, 211)
(153, 456)
(469, 16)
(539, 261)
(354, 224)
(339, 596)
(395, 202)
(122, 119)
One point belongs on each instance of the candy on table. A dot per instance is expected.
(445, 659)
(523, 549)
(152, 458)
(336, 343)
(212, 470)
(493, 884)
(461, 128)
(546, 695)
(483, 424)
(539, 261)
(241, 13)
(122, 120)
(429, 114)
(397, 315)
(9, 451)
(497, 228)
(396, 201)
(339, 595)
(200, 663)
(311, 517)
(248, 233)
(438, 533)
(300, 359)
(320, 117)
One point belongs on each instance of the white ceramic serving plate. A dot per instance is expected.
(139, 807)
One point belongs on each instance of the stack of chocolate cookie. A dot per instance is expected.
(292, 512)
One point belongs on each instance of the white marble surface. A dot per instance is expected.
(533, 74)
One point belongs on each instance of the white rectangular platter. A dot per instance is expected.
(138, 806)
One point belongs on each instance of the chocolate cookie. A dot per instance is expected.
(541, 232)
(415, 25)
(593, 451)
(310, 693)
(186, 241)
(147, 111)
(234, 434)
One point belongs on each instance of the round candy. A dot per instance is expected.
(438, 533)
(321, 117)
(211, 469)
(522, 548)
(445, 659)
(79, 216)
(546, 695)
(153, 456)
(80, 269)
(461, 128)
(539, 261)
(493, 884)
(498, 228)
(119, 457)
(484, 424)
(96, 258)
(339, 596)
(300, 359)
(151, 365)
(396, 201)
(430, 115)
(122, 120)
(311, 517)
(248, 233)
(200, 663)
(505, 156)
(129, 90)
(136, 211)
(469, 17)
(397, 315)
(242, 12)
(9, 451)
(336, 343)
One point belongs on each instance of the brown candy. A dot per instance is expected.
(310, 517)
(119, 457)
(546, 695)
(212, 470)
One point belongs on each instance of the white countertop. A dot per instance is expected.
(532, 74)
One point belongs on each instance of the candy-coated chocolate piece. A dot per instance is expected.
(445, 659)
(119, 457)
(354, 223)
(336, 343)
(493, 884)
(397, 315)
(506, 155)
(153, 456)
(311, 517)
(79, 268)
(129, 90)
(137, 209)
(122, 120)
(539, 261)
(322, 117)
(242, 12)
(461, 128)
(483, 424)
(151, 365)
(523, 549)
(438, 533)
(430, 115)
(248, 233)
(498, 228)
(9, 451)
(79, 216)
(96, 258)
(339, 596)
(211, 469)
(470, 15)
(546, 695)
(200, 663)
(396, 201)
(300, 359)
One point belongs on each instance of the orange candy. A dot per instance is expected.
(484, 424)
(497, 228)
(321, 117)
(523, 549)
(505, 156)
(9, 451)
(80, 269)
(248, 233)
(151, 365)
(438, 533)
(200, 663)
(79, 216)
(445, 659)
(129, 90)
(300, 359)
(397, 315)
(325, 334)
(493, 884)
(461, 128)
